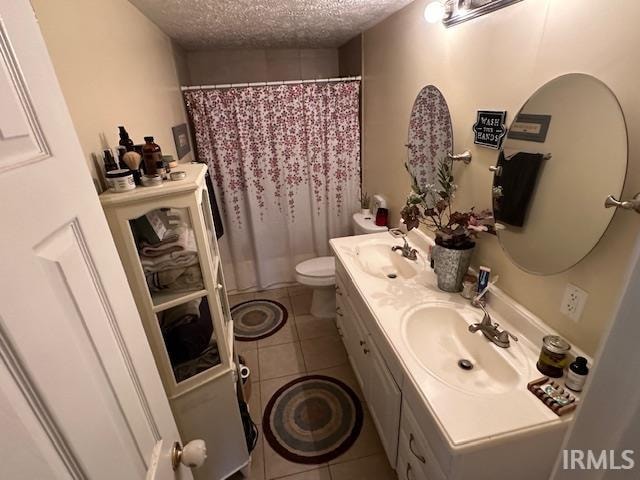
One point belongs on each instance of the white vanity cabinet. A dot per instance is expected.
(380, 389)
(200, 380)
(415, 441)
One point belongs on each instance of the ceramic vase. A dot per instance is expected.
(451, 266)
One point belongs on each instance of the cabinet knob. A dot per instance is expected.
(192, 455)
(366, 351)
(362, 344)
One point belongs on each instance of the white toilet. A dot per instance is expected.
(320, 273)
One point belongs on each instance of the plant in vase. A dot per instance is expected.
(455, 231)
(365, 203)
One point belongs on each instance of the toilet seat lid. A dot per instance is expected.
(317, 267)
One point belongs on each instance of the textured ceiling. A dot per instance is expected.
(198, 24)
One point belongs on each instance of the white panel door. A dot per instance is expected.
(80, 396)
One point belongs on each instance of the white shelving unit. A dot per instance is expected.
(205, 404)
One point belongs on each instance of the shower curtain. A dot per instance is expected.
(285, 163)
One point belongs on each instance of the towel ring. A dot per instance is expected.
(633, 204)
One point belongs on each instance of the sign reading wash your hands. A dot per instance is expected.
(489, 128)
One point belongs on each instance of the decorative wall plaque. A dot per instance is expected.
(490, 129)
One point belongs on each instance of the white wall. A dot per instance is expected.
(497, 62)
(115, 67)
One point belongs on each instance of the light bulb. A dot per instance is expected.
(434, 12)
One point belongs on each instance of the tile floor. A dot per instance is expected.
(305, 345)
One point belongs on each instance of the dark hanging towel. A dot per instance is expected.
(217, 219)
(517, 179)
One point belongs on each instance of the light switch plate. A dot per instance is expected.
(573, 302)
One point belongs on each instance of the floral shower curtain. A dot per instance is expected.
(285, 164)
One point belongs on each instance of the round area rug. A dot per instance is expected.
(312, 419)
(257, 319)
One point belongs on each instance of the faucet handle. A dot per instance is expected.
(504, 335)
(397, 233)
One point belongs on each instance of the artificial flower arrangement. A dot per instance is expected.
(432, 207)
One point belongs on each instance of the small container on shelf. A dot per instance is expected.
(121, 180)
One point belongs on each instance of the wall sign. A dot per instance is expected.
(530, 127)
(489, 128)
(181, 139)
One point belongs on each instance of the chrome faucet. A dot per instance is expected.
(407, 251)
(491, 330)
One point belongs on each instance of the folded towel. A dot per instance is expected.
(173, 260)
(175, 242)
(176, 279)
(186, 254)
(518, 180)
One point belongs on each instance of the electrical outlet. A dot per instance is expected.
(573, 302)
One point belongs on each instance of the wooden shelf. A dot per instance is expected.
(164, 301)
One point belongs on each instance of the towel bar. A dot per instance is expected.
(464, 157)
(633, 204)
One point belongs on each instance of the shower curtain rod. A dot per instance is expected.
(264, 84)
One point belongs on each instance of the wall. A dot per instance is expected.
(350, 57)
(208, 67)
(498, 61)
(115, 67)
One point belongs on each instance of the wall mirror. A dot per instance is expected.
(565, 152)
(430, 135)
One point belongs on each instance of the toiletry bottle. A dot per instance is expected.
(151, 156)
(125, 145)
(109, 161)
(577, 374)
(125, 140)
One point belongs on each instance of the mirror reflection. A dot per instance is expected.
(565, 152)
(430, 135)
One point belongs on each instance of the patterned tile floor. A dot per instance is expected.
(305, 345)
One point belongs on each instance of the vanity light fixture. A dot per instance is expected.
(434, 12)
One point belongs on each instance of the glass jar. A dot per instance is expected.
(553, 356)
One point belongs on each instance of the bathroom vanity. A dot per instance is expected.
(405, 338)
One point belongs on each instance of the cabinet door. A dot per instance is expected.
(355, 342)
(384, 399)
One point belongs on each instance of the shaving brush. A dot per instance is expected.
(133, 160)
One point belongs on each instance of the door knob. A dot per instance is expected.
(192, 455)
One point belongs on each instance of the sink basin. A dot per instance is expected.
(378, 260)
(438, 337)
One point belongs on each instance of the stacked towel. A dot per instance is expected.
(172, 264)
(176, 279)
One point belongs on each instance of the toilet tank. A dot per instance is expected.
(363, 225)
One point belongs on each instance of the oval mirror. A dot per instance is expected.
(565, 152)
(430, 135)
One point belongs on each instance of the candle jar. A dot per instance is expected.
(553, 356)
